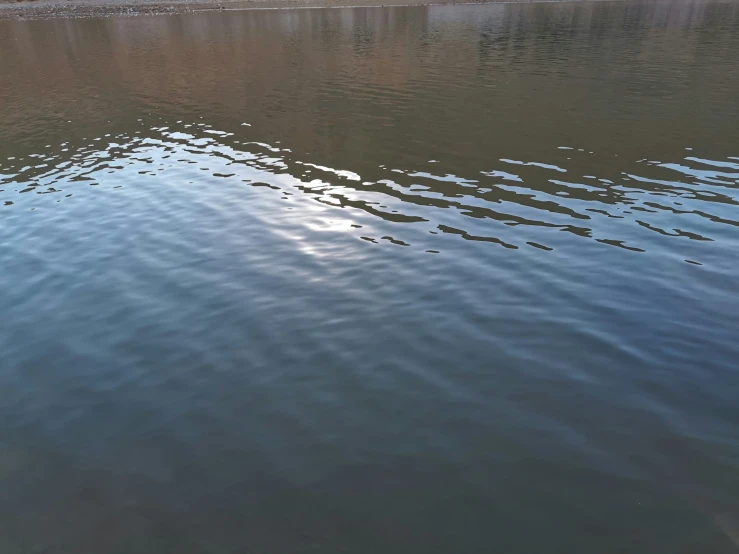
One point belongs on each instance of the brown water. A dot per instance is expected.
(432, 279)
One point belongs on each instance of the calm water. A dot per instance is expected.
(409, 280)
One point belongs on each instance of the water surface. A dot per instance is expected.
(431, 279)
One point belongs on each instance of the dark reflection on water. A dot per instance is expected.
(445, 279)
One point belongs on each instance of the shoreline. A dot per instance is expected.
(50, 9)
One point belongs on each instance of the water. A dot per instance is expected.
(430, 279)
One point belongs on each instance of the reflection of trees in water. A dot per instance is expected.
(253, 39)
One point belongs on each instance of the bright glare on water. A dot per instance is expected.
(449, 279)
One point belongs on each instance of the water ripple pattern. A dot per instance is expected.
(446, 279)
(692, 198)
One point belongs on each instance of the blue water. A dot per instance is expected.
(432, 279)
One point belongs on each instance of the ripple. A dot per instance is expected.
(463, 266)
(612, 207)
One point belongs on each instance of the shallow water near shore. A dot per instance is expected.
(415, 279)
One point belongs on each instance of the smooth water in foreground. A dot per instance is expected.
(396, 280)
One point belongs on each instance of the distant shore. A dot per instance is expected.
(46, 9)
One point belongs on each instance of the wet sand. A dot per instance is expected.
(44, 9)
